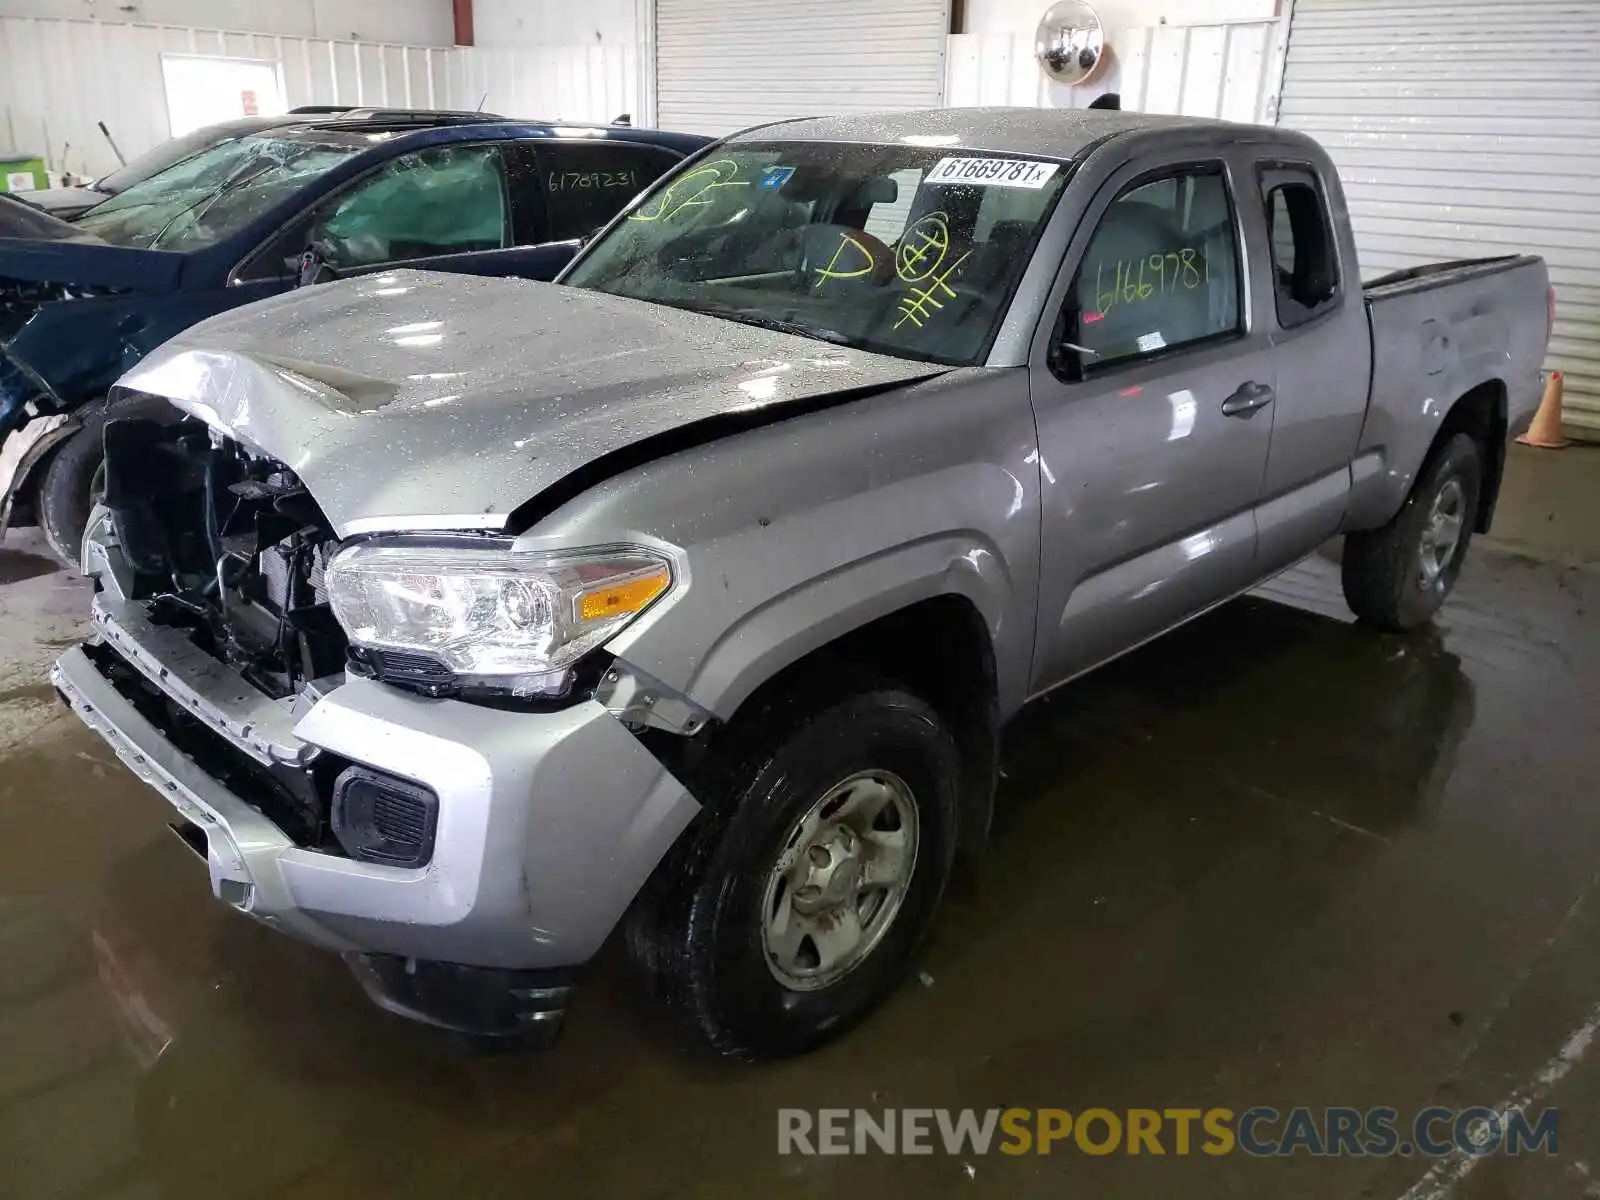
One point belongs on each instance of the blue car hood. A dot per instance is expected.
(89, 263)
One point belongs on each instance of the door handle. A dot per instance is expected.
(1250, 399)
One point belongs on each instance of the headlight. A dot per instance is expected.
(493, 616)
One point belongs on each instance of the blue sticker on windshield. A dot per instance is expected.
(774, 178)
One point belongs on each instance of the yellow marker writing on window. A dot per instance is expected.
(692, 191)
(922, 248)
(918, 304)
(851, 260)
(1132, 280)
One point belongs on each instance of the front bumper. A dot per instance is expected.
(548, 823)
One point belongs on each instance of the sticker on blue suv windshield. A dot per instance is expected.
(992, 172)
(774, 178)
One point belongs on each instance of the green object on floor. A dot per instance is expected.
(22, 173)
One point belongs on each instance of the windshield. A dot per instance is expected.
(167, 154)
(904, 250)
(213, 194)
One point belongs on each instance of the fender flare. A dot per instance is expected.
(796, 624)
(1385, 471)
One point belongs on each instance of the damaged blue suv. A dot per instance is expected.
(82, 302)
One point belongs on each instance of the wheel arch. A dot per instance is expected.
(940, 647)
(1481, 413)
(1399, 444)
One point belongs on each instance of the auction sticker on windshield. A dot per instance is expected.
(993, 172)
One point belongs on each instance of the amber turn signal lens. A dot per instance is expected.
(623, 598)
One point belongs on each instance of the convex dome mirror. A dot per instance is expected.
(1070, 44)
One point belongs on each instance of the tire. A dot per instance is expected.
(67, 490)
(1387, 579)
(698, 929)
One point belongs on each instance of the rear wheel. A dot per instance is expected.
(799, 897)
(1399, 576)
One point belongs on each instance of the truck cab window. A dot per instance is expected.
(1305, 265)
(1162, 271)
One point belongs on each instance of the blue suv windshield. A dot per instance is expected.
(214, 194)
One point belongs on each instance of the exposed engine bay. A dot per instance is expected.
(228, 545)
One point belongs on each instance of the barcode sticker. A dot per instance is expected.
(993, 172)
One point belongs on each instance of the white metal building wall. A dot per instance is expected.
(554, 83)
(58, 78)
(1225, 71)
(1465, 129)
(725, 64)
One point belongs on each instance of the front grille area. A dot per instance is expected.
(296, 800)
(227, 545)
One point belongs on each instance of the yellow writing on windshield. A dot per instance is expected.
(922, 248)
(693, 190)
(851, 260)
(1132, 280)
(916, 304)
(918, 258)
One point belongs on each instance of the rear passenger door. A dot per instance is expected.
(1152, 390)
(1323, 360)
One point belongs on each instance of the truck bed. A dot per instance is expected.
(1440, 332)
(1439, 274)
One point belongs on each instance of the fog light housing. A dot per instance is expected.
(381, 819)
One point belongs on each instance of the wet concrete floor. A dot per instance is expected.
(1276, 859)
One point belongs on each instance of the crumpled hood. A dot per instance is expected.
(413, 400)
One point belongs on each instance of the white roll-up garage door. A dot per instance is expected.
(725, 64)
(1465, 129)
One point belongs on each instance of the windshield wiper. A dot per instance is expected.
(745, 316)
(246, 173)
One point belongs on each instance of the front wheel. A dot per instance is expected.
(1398, 576)
(799, 897)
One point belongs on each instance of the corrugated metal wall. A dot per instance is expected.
(725, 64)
(58, 78)
(1466, 129)
(1199, 71)
(556, 83)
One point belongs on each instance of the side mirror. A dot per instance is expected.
(1068, 358)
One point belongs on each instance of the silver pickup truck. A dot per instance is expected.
(463, 622)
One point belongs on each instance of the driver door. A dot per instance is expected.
(1151, 390)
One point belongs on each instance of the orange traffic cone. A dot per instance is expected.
(1545, 432)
